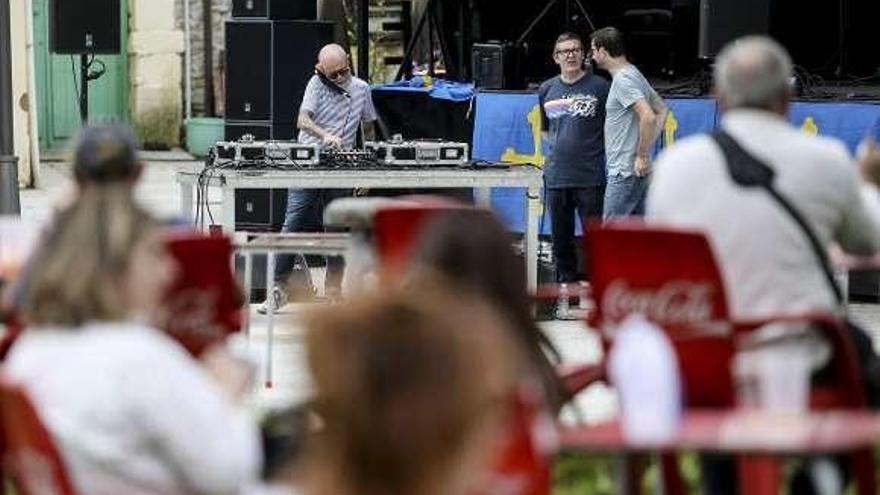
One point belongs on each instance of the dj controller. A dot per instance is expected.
(248, 153)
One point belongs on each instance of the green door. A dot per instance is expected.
(57, 81)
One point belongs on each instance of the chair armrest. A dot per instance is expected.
(577, 378)
(844, 356)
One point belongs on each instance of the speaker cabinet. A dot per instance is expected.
(268, 64)
(84, 26)
(275, 9)
(260, 210)
(722, 21)
(497, 66)
(261, 131)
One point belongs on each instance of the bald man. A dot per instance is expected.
(335, 106)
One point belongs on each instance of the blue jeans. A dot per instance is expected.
(625, 196)
(305, 210)
(564, 203)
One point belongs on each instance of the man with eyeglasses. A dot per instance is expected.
(335, 106)
(573, 118)
(634, 120)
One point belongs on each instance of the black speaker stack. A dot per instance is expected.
(271, 50)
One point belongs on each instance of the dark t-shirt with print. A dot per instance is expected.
(574, 117)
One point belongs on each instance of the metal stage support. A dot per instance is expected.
(363, 68)
(567, 6)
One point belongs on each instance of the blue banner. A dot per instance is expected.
(688, 117)
(507, 128)
(848, 122)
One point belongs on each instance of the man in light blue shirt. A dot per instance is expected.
(335, 107)
(634, 119)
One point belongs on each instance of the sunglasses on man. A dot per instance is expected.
(337, 74)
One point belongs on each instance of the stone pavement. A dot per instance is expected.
(158, 192)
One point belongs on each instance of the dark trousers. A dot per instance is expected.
(564, 203)
(305, 211)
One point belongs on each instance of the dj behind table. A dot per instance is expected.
(439, 165)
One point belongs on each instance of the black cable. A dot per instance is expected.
(75, 85)
(207, 202)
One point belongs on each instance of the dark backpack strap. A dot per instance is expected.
(748, 171)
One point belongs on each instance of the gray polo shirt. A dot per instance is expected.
(337, 113)
(621, 121)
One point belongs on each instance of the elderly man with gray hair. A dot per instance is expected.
(770, 198)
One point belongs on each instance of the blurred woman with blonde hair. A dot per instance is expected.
(130, 411)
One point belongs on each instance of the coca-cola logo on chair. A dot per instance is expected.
(677, 303)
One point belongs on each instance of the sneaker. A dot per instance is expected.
(276, 300)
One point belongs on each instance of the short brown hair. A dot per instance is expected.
(404, 382)
(475, 252)
(569, 36)
(611, 39)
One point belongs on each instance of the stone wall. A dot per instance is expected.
(154, 49)
(220, 13)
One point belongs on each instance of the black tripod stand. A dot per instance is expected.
(568, 17)
(85, 76)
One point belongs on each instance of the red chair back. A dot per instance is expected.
(670, 277)
(204, 302)
(521, 467)
(397, 229)
(523, 464)
(30, 457)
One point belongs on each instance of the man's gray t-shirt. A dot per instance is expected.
(335, 112)
(621, 121)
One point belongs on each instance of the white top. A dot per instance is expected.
(766, 261)
(132, 413)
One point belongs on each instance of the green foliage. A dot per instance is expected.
(583, 474)
(575, 474)
(159, 128)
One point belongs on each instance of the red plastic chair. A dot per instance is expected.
(521, 467)
(205, 301)
(30, 458)
(672, 278)
(396, 231)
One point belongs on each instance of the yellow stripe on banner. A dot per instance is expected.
(810, 127)
(670, 127)
(510, 154)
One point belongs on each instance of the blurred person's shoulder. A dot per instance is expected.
(136, 340)
(691, 151)
(828, 149)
